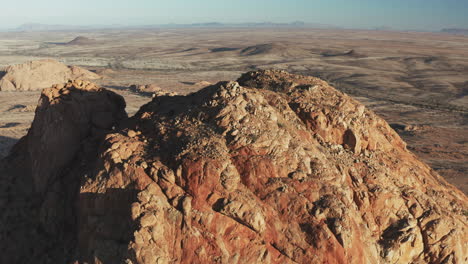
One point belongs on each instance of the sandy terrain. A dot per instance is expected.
(417, 81)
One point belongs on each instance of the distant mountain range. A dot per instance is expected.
(458, 31)
(251, 24)
(31, 27)
(46, 27)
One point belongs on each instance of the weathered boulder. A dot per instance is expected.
(37, 75)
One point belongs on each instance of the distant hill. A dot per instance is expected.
(458, 31)
(275, 49)
(80, 40)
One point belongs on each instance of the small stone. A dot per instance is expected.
(115, 146)
(131, 133)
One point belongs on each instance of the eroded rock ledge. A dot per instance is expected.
(274, 168)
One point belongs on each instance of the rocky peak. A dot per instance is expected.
(273, 168)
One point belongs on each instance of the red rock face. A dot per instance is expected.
(277, 168)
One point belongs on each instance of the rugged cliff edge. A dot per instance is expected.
(273, 168)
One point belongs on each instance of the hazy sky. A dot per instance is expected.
(400, 14)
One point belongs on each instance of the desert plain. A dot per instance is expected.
(418, 82)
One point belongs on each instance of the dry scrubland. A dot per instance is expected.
(418, 82)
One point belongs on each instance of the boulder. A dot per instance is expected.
(37, 75)
(150, 90)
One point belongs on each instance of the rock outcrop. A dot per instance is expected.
(37, 75)
(273, 168)
(150, 90)
(37, 195)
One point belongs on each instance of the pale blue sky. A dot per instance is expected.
(400, 14)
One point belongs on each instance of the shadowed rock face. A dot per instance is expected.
(274, 168)
(38, 194)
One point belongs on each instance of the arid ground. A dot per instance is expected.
(418, 82)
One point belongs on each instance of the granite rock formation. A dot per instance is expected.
(37, 75)
(273, 168)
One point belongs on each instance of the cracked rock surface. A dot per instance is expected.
(273, 168)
